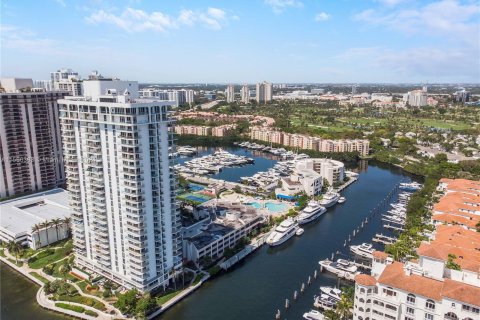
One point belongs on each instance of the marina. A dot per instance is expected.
(290, 260)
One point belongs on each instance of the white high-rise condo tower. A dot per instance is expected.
(126, 223)
(264, 92)
(230, 93)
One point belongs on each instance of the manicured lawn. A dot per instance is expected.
(198, 278)
(18, 263)
(44, 259)
(91, 313)
(163, 299)
(84, 300)
(39, 277)
(70, 307)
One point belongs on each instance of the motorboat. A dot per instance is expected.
(412, 186)
(364, 250)
(284, 231)
(329, 199)
(312, 211)
(331, 292)
(325, 302)
(313, 315)
(299, 231)
(342, 199)
(342, 268)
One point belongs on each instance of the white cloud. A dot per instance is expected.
(448, 18)
(322, 16)
(278, 6)
(136, 20)
(391, 2)
(61, 2)
(434, 63)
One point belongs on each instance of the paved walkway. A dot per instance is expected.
(48, 304)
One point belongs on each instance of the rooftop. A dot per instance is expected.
(20, 214)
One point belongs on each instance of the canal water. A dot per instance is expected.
(258, 286)
(18, 298)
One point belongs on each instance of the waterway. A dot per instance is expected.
(18, 298)
(258, 286)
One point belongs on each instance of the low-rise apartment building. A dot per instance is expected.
(231, 223)
(309, 142)
(219, 131)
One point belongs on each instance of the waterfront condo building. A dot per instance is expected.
(126, 222)
(264, 92)
(230, 93)
(30, 142)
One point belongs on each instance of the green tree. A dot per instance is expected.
(144, 305)
(14, 248)
(127, 302)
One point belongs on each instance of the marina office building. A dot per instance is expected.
(309, 174)
(30, 142)
(125, 220)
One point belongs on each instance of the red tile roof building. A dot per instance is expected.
(444, 283)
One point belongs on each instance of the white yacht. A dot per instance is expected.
(313, 315)
(364, 250)
(342, 268)
(342, 200)
(329, 199)
(331, 292)
(282, 232)
(312, 211)
(412, 186)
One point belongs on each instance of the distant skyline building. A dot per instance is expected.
(30, 141)
(67, 80)
(264, 92)
(230, 93)
(126, 222)
(43, 84)
(245, 94)
(416, 98)
(462, 96)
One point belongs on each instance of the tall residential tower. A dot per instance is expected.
(126, 223)
(30, 142)
(230, 93)
(264, 92)
(245, 94)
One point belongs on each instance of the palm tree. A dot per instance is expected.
(344, 307)
(56, 223)
(45, 226)
(14, 249)
(68, 222)
(36, 229)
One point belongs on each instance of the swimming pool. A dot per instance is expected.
(271, 206)
(276, 207)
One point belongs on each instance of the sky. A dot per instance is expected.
(244, 41)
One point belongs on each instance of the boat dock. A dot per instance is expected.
(349, 182)
(380, 238)
(390, 227)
